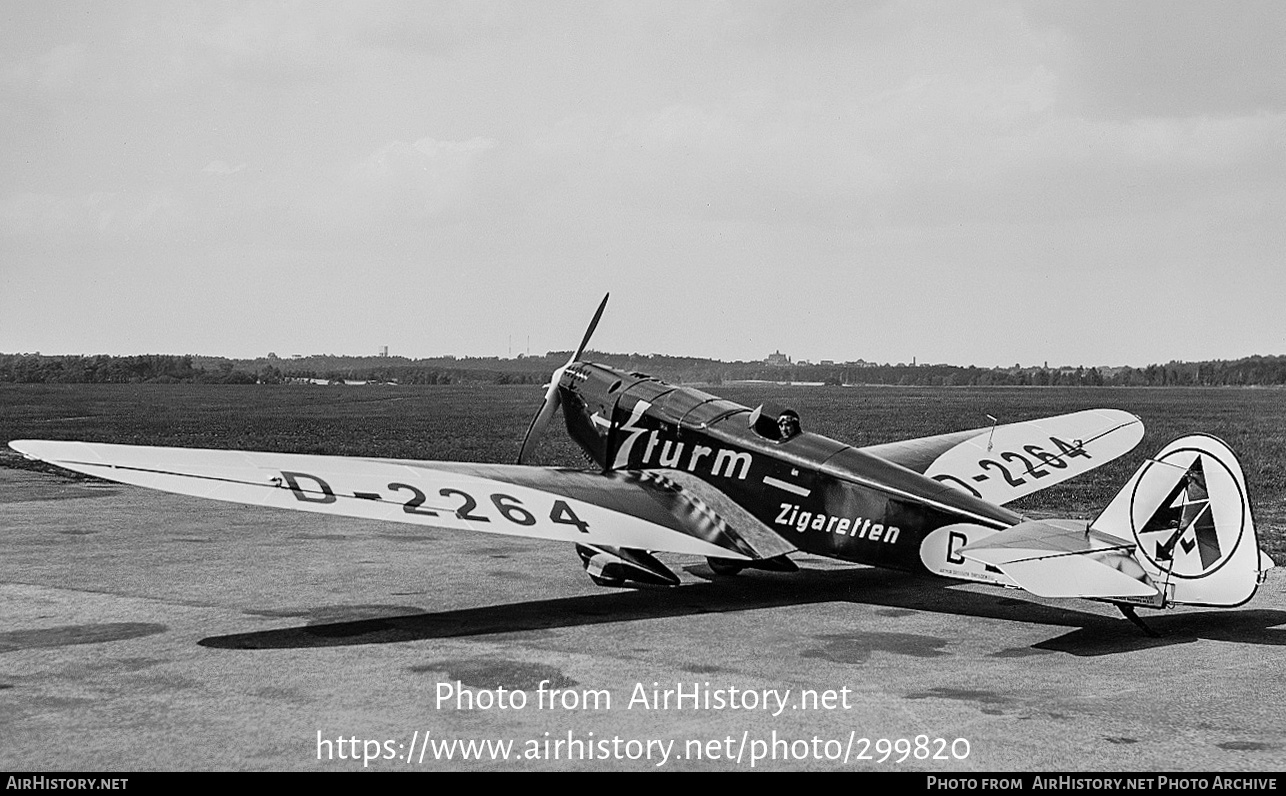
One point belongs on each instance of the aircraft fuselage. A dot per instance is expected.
(820, 495)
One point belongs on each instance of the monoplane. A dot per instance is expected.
(678, 470)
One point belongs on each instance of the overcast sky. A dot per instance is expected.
(976, 183)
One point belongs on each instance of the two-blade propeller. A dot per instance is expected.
(541, 421)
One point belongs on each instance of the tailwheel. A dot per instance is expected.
(1130, 614)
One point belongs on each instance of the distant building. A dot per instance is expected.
(777, 358)
(384, 351)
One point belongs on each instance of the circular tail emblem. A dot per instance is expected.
(1188, 513)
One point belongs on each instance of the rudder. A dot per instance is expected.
(1188, 512)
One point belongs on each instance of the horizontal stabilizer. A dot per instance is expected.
(1098, 575)
(1062, 558)
(1037, 539)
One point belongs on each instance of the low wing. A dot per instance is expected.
(620, 509)
(1003, 463)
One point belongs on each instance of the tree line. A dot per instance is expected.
(186, 369)
(176, 369)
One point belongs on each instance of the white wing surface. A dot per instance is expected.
(628, 510)
(1003, 463)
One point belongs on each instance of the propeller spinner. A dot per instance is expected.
(541, 421)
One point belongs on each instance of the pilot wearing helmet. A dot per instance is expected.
(788, 424)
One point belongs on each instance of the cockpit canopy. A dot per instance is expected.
(775, 422)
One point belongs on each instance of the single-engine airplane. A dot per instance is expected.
(677, 470)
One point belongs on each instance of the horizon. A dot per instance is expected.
(986, 182)
(556, 354)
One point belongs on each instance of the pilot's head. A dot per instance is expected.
(788, 424)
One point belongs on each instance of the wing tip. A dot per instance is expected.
(23, 446)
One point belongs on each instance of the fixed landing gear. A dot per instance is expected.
(732, 566)
(725, 566)
(615, 567)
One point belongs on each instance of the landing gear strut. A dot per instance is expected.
(731, 566)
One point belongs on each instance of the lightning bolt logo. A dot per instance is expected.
(623, 452)
(1184, 521)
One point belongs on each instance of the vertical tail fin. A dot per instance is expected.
(1188, 513)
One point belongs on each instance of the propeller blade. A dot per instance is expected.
(546, 411)
(552, 400)
(590, 331)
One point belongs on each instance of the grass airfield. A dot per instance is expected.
(151, 631)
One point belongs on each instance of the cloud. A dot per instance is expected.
(262, 41)
(1164, 59)
(427, 159)
(176, 47)
(58, 70)
(424, 181)
(445, 27)
(986, 145)
(203, 48)
(419, 180)
(218, 167)
(850, 116)
(98, 215)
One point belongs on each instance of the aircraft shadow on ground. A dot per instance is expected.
(1092, 634)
